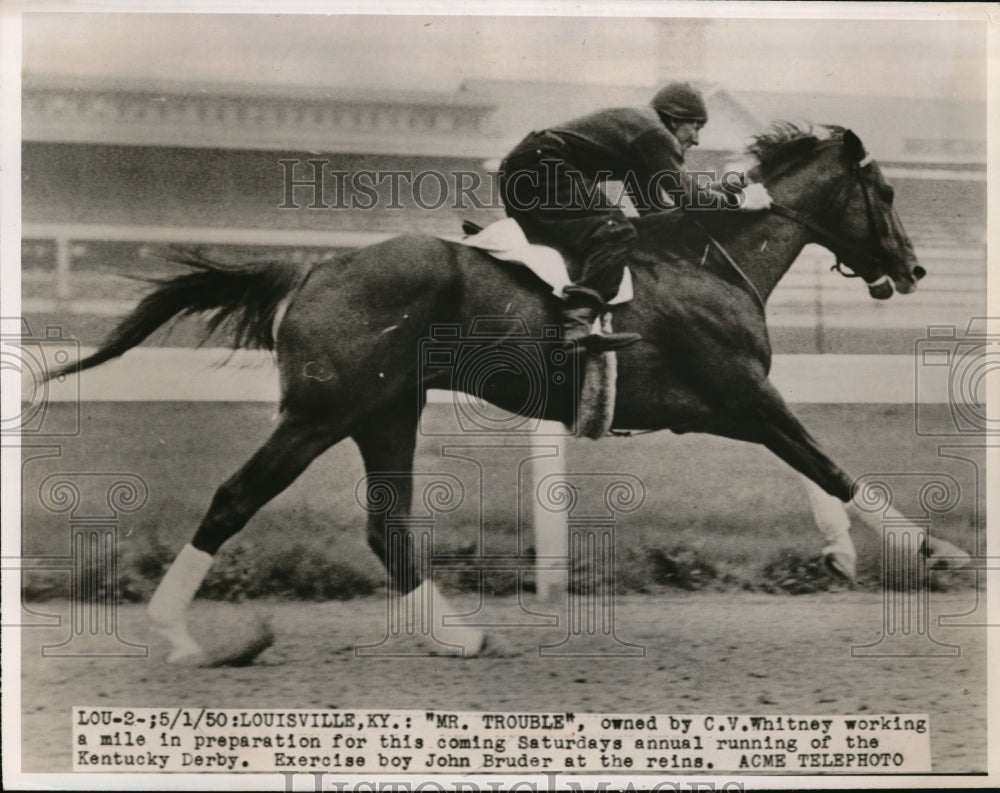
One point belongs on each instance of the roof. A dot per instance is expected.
(523, 106)
(480, 118)
(250, 90)
(245, 116)
(893, 128)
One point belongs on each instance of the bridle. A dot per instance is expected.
(880, 287)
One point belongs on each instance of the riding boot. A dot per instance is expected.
(578, 315)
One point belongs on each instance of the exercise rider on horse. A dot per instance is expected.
(550, 186)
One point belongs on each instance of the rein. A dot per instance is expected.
(841, 250)
(732, 263)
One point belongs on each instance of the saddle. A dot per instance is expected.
(505, 241)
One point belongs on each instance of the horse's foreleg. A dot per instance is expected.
(768, 421)
(834, 525)
(285, 455)
(790, 441)
(387, 445)
(761, 416)
(785, 435)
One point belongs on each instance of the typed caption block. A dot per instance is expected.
(196, 740)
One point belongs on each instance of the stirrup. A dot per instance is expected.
(609, 342)
(601, 343)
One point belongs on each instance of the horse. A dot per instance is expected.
(348, 335)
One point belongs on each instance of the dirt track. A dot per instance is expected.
(704, 653)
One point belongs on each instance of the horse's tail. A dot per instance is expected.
(244, 297)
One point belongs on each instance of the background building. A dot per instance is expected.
(114, 169)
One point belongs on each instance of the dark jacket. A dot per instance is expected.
(634, 146)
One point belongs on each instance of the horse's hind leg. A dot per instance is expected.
(286, 454)
(387, 443)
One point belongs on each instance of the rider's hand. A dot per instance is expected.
(755, 197)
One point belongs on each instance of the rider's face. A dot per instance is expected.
(686, 133)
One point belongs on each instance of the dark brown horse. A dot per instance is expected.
(352, 338)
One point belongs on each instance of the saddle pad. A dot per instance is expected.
(504, 240)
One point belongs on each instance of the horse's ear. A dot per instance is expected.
(853, 146)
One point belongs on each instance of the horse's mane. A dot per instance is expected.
(779, 147)
(785, 142)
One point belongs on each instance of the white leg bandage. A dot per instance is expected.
(833, 523)
(169, 604)
(828, 512)
(428, 610)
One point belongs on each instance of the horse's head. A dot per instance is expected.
(855, 217)
(883, 253)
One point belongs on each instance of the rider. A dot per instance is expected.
(550, 186)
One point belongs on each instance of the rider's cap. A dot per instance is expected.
(681, 101)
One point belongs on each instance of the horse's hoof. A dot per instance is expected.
(942, 555)
(241, 652)
(841, 566)
(841, 560)
(184, 650)
(187, 657)
(459, 640)
(493, 647)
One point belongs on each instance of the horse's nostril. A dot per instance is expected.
(919, 272)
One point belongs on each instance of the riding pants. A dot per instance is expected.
(560, 205)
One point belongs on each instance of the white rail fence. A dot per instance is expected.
(808, 296)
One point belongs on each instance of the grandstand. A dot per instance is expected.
(113, 170)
